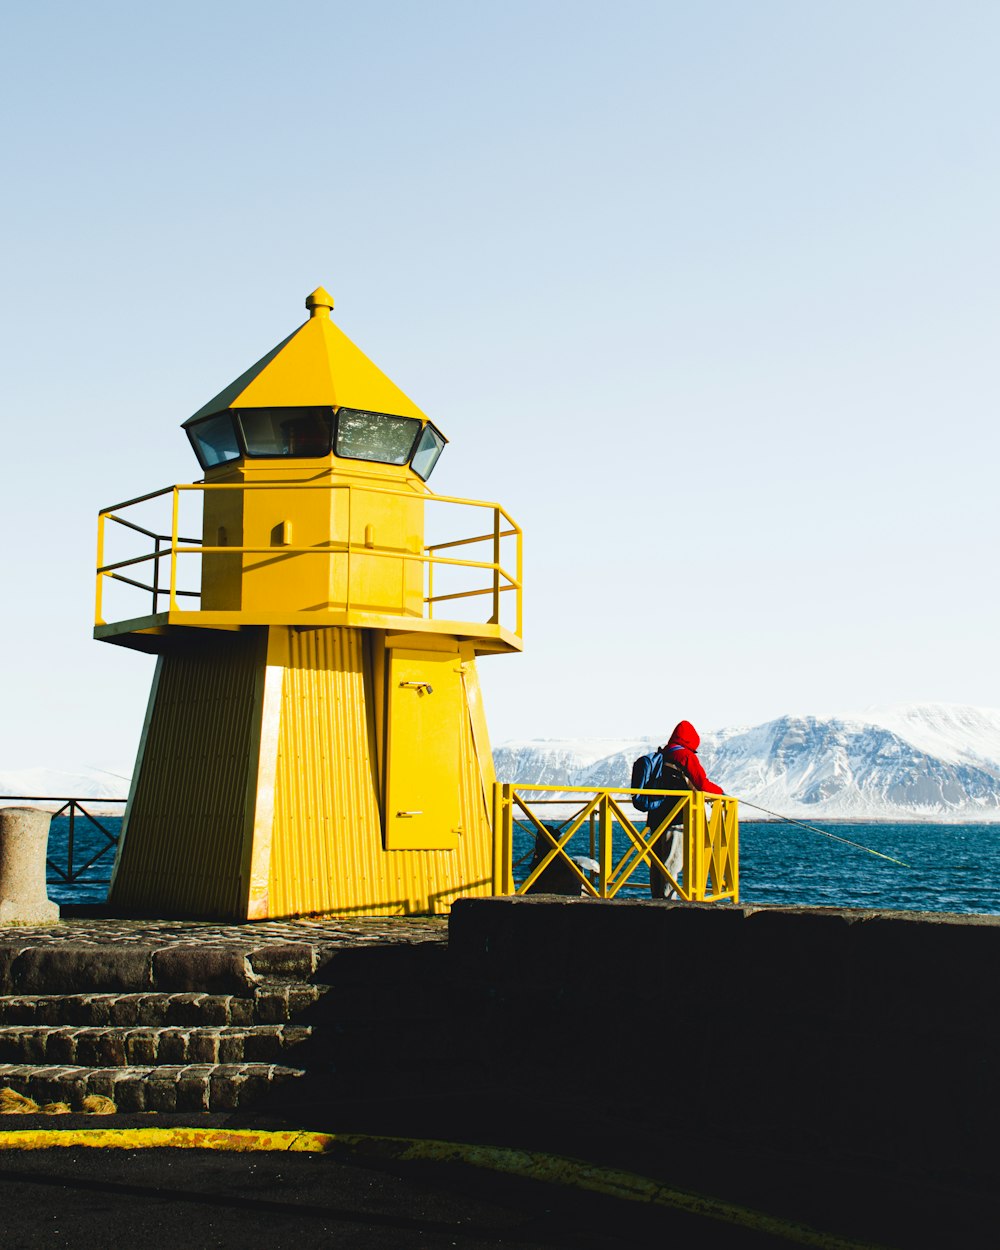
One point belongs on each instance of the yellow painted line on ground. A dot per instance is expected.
(165, 1138)
(531, 1165)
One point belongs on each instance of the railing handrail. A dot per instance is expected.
(517, 785)
(429, 496)
(418, 496)
(56, 798)
(128, 503)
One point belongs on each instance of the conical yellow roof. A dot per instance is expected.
(317, 365)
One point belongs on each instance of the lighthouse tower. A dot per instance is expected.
(315, 738)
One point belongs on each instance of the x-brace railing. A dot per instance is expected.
(709, 828)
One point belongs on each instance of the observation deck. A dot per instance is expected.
(385, 557)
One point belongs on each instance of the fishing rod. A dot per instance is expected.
(813, 829)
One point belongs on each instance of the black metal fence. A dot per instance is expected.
(75, 813)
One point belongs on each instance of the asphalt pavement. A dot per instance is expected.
(79, 1197)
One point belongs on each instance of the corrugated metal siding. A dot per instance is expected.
(186, 832)
(327, 840)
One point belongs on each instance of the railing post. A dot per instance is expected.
(173, 549)
(687, 867)
(495, 618)
(696, 882)
(99, 593)
(734, 847)
(519, 539)
(606, 830)
(156, 574)
(69, 841)
(507, 791)
(498, 872)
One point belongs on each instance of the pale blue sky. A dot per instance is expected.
(705, 293)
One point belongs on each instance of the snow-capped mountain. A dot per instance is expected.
(83, 783)
(919, 761)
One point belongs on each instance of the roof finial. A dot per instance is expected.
(319, 302)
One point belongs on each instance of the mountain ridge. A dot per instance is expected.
(929, 761)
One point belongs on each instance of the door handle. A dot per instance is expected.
(409, 813)
(419, 686)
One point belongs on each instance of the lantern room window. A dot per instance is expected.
(375, 436)
(299, 432)
(214, 441)
(429, 449)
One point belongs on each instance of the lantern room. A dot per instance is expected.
(252, 433)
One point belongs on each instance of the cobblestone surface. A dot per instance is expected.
(331, 931)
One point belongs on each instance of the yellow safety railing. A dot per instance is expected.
(167, 545)
(617, 841)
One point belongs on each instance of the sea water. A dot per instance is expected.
(952, 868)
(89, 844)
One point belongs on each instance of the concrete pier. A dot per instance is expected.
(827, 1066)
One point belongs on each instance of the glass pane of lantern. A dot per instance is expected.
(429, 448)
(286, 431)
(375, 436)
(214, 440)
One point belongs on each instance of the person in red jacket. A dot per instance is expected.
(682, 751)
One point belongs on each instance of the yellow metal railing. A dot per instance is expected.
(617, 841)
(168, 546)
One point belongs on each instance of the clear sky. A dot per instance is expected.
(706, 293)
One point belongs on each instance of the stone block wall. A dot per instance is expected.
(823, 1032)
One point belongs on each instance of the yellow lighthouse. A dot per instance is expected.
(315, 738)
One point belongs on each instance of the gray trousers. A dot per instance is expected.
(670, 848)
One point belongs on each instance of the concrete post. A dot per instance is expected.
(24, 839)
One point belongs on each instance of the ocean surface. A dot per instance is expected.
(91, 885)
(952, 868)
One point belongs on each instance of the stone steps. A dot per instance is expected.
(270, 1003)
(154, 1027)
(191, 1016)
(96, 1046)
(166, 1087)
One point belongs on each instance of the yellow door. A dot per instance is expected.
(423, 751)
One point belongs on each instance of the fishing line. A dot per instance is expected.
(813, 829)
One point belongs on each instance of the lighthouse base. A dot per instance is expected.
(290, 772)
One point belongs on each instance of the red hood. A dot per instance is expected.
(685, 735)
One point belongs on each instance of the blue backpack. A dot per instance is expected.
(652, 772)
(645, 775)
